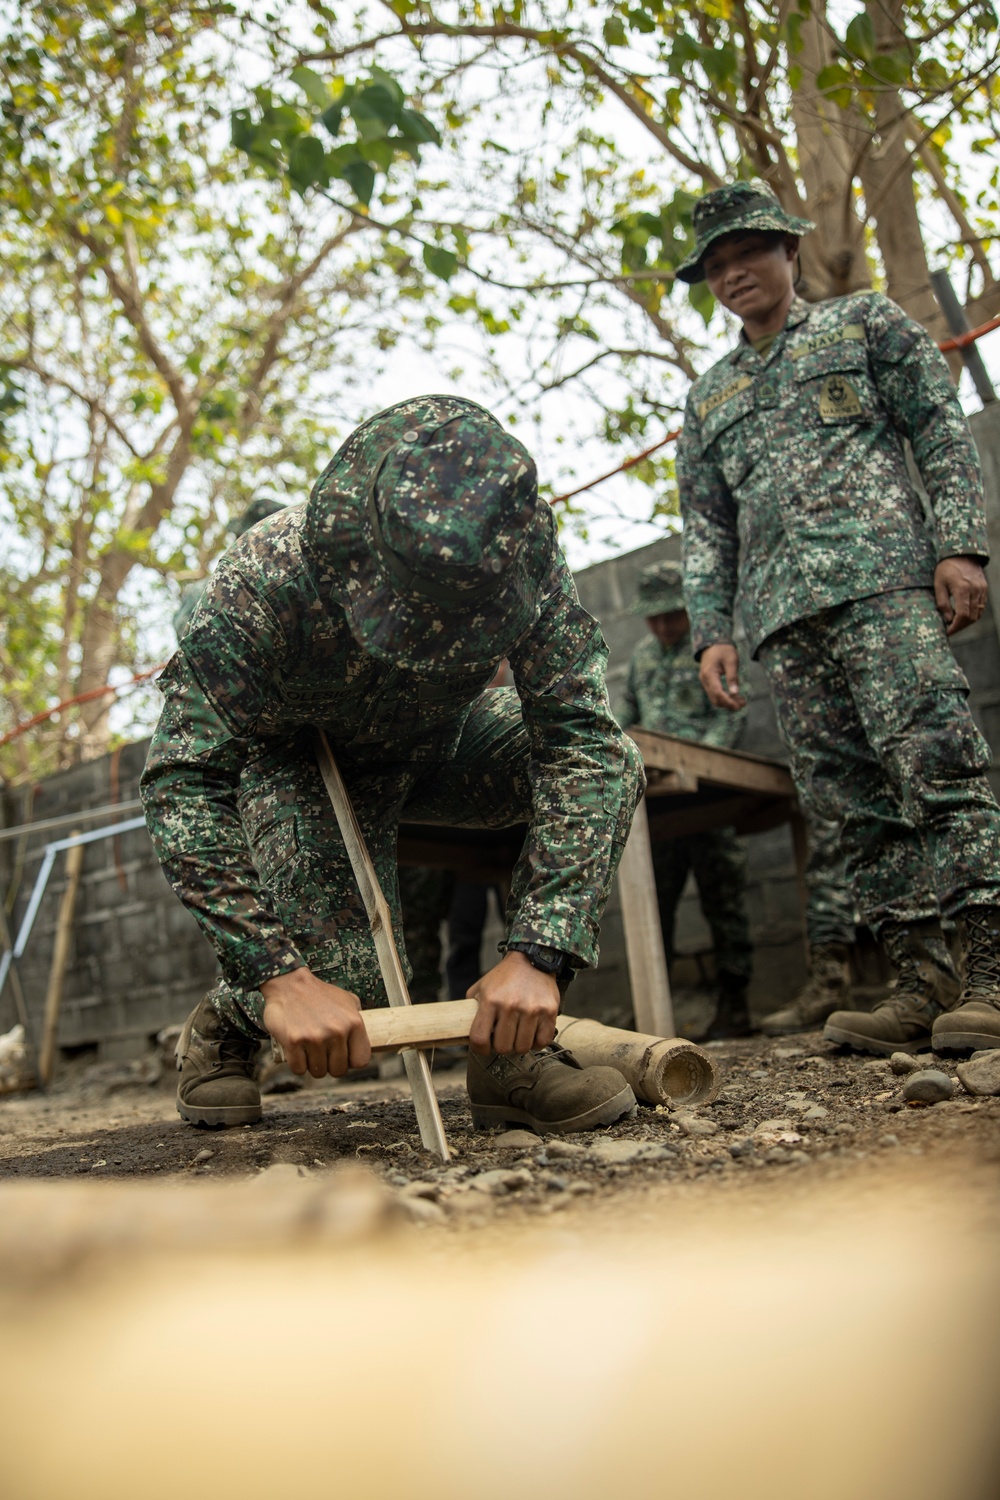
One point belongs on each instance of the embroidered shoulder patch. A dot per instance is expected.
(850, 333)
(838, 398)
(711, 403)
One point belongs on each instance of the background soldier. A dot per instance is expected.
(257, 510)
(379, 612)
(794, 489)
(663, 692)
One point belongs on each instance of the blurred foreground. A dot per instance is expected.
(291, 1336)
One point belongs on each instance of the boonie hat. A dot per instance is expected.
(426, 527)
(726, 210)
(660, 591)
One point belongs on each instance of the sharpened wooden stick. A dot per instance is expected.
(418, 1070)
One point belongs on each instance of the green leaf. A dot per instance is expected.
(306, 163)
(891, 67)
(361, 179)
(331, 118)
(702, 301)
(614, 32)
(312, 86)
(416, 127)
(794, 77)
(833, 77)
(440, 262)
(861, 37)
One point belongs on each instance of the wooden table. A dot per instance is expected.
(691, 788)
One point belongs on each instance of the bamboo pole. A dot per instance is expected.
(60, 956)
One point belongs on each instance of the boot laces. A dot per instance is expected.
(982, 956)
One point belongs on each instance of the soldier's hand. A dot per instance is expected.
(518, 1005)
(317, 1025)
(718, 662)
(960, 591)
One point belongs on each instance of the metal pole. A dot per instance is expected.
(955, 317)
(42, 880)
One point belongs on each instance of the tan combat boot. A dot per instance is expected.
(828, 988)
(216, 1065)
(548, 1091)
(926, 985)
(974, 1024)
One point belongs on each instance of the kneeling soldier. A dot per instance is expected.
(379, 612)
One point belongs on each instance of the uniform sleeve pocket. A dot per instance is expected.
(940, 674)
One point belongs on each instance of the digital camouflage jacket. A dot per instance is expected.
(269, 651)
(793, 481)
(663, 692)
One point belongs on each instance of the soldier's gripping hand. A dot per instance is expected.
(720, 676)
(960, 591)
(518, 1005)
(318, 1025)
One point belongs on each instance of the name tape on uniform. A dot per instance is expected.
(850, 333)
(726, 394)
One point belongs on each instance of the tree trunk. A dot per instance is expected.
(833, 257)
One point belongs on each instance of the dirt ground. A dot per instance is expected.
(790, 1107)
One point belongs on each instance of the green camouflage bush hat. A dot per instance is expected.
(726, 210)
(427, 528)
(660, 591)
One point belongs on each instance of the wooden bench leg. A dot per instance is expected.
(647, 961)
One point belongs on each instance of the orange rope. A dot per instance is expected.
(963, 340)
(47, 713)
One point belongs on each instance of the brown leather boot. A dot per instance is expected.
(926, 985)
(216, 1065)
(548, 1090)
(974, 1024)
(828, 988)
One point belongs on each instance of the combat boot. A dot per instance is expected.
(732, 1018)
(974, 1024)
(828, 988)
(926, 985)
(548, 1090)
(216, 1065)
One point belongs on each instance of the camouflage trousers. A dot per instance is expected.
(425, 897)
(829, 897)
(302, 862)
(718, 860)
(872, 706)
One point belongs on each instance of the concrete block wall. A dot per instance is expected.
(138, 959)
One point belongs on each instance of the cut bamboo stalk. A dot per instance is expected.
(661, 1070)
(60, 957)
(647, 962)
(441, 1023)
(418, 1070)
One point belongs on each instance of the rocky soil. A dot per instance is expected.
(789, 1107)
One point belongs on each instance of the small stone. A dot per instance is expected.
(428, 1190)
(501, 1180)
(694, 1125)
(929, 1086)
(777, 1154)
(842, 1129)
(579, 1188)
(515, 1140)
(421, 1210)
(617, 1151)
(760, 1073)
(789, 1052)
(888, 1140)
(816, 1112)
(563, 1150)
(205, 1155)
(741, 1148)
(902, 1063)
(798, 1157)
(980, 1074)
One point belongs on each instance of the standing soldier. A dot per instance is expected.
(795, 492)
(379, 612)
(663, 692)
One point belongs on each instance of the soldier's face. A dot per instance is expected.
(669, 628)
(751, 274)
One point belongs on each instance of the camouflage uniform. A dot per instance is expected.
(796, 498)
(663, 692)
(379, 613)
(424, 897)
(192, 593)
(829, 898)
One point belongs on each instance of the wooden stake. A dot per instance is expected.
(647, 961)
(418, 1070)
(60, 956)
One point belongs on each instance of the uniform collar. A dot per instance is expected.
(797, 313)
